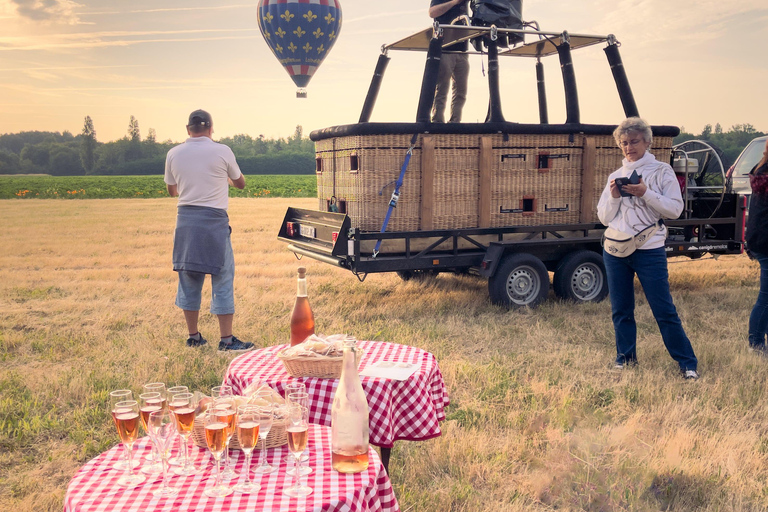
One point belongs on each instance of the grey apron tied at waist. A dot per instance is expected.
(199, 242)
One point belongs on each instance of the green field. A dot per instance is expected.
(120, 187)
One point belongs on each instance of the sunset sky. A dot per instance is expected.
(690, 62)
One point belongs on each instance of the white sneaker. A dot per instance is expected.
(690, 375)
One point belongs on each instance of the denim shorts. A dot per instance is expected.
(188, 295)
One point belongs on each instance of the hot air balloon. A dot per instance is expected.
(300, 33)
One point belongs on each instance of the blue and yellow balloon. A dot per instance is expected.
(300, 33)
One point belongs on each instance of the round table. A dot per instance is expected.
(398, 410)
(94, 488)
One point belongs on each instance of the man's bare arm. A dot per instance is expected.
(439, 10)
(239, 182)
(173, 190)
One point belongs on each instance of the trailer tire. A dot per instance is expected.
(521, 280)
(580, 277)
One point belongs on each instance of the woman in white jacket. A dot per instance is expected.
(655, 197)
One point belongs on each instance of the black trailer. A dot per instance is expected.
(518, 255)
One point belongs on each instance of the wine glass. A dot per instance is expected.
(149, 403)
(162, 428)
(295, 386)
(266, 418)
(247, 435)
(297, 430)
(216, 439)
(127, 421)
(116, 396)
(159, 387)
(302, 400)
(183, 407)
(221, 391)
(170, 393)
(224, 409)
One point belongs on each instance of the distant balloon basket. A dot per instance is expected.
(300, 34)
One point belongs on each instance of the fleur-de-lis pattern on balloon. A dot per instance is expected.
(291, 20)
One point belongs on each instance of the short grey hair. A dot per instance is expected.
(633, 125)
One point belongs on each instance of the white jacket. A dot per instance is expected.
(631, 215)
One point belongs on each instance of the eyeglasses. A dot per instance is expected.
(633, 142)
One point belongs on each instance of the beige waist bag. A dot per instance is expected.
(620, 244)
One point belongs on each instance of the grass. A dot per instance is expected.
(147, 187)
(537, 421)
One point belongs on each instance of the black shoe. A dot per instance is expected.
(760, 350)
(622, 363)
(192, 342)
(235, 345)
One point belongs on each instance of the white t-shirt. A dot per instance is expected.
(200, 168)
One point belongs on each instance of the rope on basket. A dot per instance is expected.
(396, 193)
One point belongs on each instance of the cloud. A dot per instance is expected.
(49, 11)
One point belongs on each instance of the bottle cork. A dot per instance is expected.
(302, 272)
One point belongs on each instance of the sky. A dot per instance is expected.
(689, 63)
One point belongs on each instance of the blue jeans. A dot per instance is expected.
(188, 295)
(758, 320)
(650, 265)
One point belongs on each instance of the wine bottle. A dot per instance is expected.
(302, 319)
(349, 418)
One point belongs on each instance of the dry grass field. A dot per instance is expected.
(538, 419)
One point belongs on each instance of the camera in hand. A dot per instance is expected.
(632, 179)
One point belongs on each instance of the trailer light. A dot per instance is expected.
(484, 265)
(291, 228)
(334, 236)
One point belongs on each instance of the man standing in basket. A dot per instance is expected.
(199, 172)
(454, 67)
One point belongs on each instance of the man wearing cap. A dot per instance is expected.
(199, 172)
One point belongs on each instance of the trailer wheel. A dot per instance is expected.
(521, 280)
(407, 275)
(580, 277)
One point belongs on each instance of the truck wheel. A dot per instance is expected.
(521, 280)
(580, 277)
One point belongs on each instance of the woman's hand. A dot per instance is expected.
(636, 190)
(615, 193)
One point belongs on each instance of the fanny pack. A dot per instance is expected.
(620, 244)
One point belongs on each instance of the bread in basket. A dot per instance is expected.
(318, 356)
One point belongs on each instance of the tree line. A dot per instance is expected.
(65, 154)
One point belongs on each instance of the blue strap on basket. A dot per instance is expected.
(396, 193)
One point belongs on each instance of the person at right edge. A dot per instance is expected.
(454, 67)
(656, 196)
(757, 248)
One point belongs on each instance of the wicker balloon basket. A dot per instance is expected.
(276, 437)
(321, 367)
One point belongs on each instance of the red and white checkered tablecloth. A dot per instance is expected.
(94, 488)
(398, 410)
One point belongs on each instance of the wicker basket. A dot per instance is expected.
(321, 367)
(276, 437)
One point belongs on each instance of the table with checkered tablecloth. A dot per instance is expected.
(398, 410)
(94, 488)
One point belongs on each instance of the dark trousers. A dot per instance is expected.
(758, 320)
(651, 268)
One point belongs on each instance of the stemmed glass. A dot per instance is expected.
(162, 428)
(127, 421)
(247, 435)
(171, 392)
(224, 409)
(183, 407)
(297, 430)
(149, 403)
(302, 400)
(266, 418)
(116, 396)
(221, 391)
(216, 439)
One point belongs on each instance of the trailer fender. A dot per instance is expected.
(493, 255)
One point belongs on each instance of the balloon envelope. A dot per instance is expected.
(300, 33)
